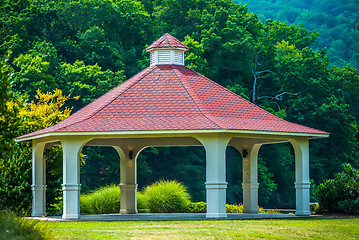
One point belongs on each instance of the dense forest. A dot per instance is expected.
(337, 23)
(58, 56)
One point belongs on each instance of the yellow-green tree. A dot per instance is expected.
(15, 166)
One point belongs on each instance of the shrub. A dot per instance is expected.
(233, 208)
(315, 208)
(104, 200)
(196, 207)
(12, 227)
(166, 197)
(341, 194)
(261, 210)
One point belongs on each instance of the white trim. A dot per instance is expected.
(157, 49)
(124, 134)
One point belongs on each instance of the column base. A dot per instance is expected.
(38, 214)
(71, 201)
(38, 200)
(128, 211)
(304, 213)
(71, 216)
(128, 198)
(302, 198)
(216, 199)
(250, 197)
(255, 211)
(216, 215)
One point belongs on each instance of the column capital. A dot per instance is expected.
(38, 187)
(222, 185)
(250, 185)
(302, 185)
(71, 187)
(124, 186)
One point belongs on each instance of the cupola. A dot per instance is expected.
(167, 50)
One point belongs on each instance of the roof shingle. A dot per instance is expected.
(172, 97)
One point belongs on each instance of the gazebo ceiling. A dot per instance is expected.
(171, 97)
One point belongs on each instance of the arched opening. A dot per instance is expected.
(185, 164)
(101, 167)
(234, 170)
(276, 176)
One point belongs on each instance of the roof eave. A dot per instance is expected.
(174, 132)
(166, 48)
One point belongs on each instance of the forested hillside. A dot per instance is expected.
(337, 22)
(84, 48)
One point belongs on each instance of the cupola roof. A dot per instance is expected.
(167, 41)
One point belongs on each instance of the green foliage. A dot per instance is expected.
(341, 194)
(238, 208)
(315, 208)
(102, 201)
(196, 207)
(234, 208)
(10, 105)
(336, 21)
(15, 179)
(86, 206)
(15, 228)
(15, 168)
(141, 203)
(166, 197)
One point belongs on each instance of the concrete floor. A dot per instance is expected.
(170, 217)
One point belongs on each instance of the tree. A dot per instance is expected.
(15, 174)
(10, 102)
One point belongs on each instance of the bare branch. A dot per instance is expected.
(279, 97)
(266, 71)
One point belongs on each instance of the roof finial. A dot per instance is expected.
(167, 50)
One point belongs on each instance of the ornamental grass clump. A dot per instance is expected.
(102, 201)
(141, 203)
(85, 204)
(166, 197)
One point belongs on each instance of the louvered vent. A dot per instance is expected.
(164, 57)
(178, 58)
(153, 58)
(167, 56)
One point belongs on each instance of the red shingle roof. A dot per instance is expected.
(172, 97)
(167, 41)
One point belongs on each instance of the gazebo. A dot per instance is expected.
(168, 104)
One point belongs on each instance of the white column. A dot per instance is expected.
(38, 186)
(128, 174)
(216, 185)
(250, 178)
(302, 184)
(71, 177)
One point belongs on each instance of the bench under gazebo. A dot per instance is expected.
(168, 104)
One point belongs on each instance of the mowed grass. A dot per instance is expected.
(235, 229)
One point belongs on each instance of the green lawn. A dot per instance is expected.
(235, 229)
